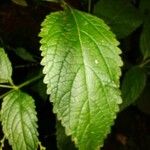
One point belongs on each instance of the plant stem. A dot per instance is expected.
(22, 85)
(6, 86)
(29, 81)
(3, 95)
(145, 63)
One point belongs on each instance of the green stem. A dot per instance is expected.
(22, 85)
(6, 86)
(145, 63)
(3, 95)
(30, 81)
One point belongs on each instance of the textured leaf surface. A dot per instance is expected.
(19, 119)
(5, 67)
(145, 38)
(82, 70)
(132, 86)
(120, 15)
(63, 141)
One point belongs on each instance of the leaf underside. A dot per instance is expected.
(19, 121)
(82, 69)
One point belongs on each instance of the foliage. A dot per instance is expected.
(82, 72)
(18, 118)
(83, 79)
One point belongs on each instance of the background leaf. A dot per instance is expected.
(120, 15)
(63, 141)
(19, 121)
(132, 86)
(145, 38)
(24, 54)
(5, 67)
(20, 2)
(145, 7)
(82, 67)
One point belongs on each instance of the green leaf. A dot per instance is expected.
(63, 141)
(144, 39)
(120, 15)
(132, 86)
(19, 121)
(82, 70)
(20, 2)
(145, 7)
(24, 54)
(5, 67)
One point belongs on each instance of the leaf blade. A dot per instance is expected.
(144, 39)
(132, 86)
(120, 15)
(18, 118)
(74, 73)
(5, 67)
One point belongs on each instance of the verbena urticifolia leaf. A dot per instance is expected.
(120, 15)
(5, 67)
(19, 121)
(82, 70)
(144, 39)
(132, 86)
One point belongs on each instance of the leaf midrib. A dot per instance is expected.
(85, 71)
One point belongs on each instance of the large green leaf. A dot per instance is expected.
(19, 121)
(82, 70)
(120, 15)
(144, 39)
(5, 67)
(132, 86)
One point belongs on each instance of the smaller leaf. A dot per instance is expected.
(5, 67)
(19, 121)
(63, 141)
(24, 54)
(132, 86)
(144, 39)
(20, 2)
(120, 15)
